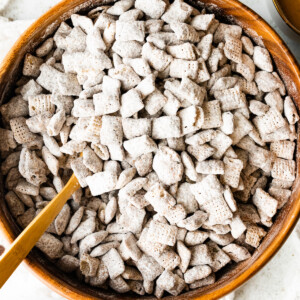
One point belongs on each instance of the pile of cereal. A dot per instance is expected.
(187, 137)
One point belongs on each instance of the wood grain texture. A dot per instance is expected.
(23, 244)
(231, 11)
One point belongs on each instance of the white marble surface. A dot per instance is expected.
(279, 280)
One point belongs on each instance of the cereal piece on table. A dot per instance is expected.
(162, 233)
(153, 10)
(166, 127)
(168, 166)
(254, 235)
(233, 48)
(130, 31)
(185, 32)
(119, 285)
(149, 268)
(283, 169)
(156, 58)
(32, 65)
(140, 145)
(192, 119)
(290, 110)
(21, 131)
(185, 197)
(221, 143)
(262, 59)
(197, 273)
(114, 263)
(231, 99)
(183, 51)
(212, 114)
(196, 237)
(193, 222)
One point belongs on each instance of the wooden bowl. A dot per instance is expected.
(231, 11)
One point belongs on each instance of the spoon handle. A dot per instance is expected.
(23, 244)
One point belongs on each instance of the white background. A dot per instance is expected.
(279, 280)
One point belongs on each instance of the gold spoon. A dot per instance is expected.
(23, 244)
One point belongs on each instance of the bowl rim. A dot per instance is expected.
(288, 224)
(284, 17)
